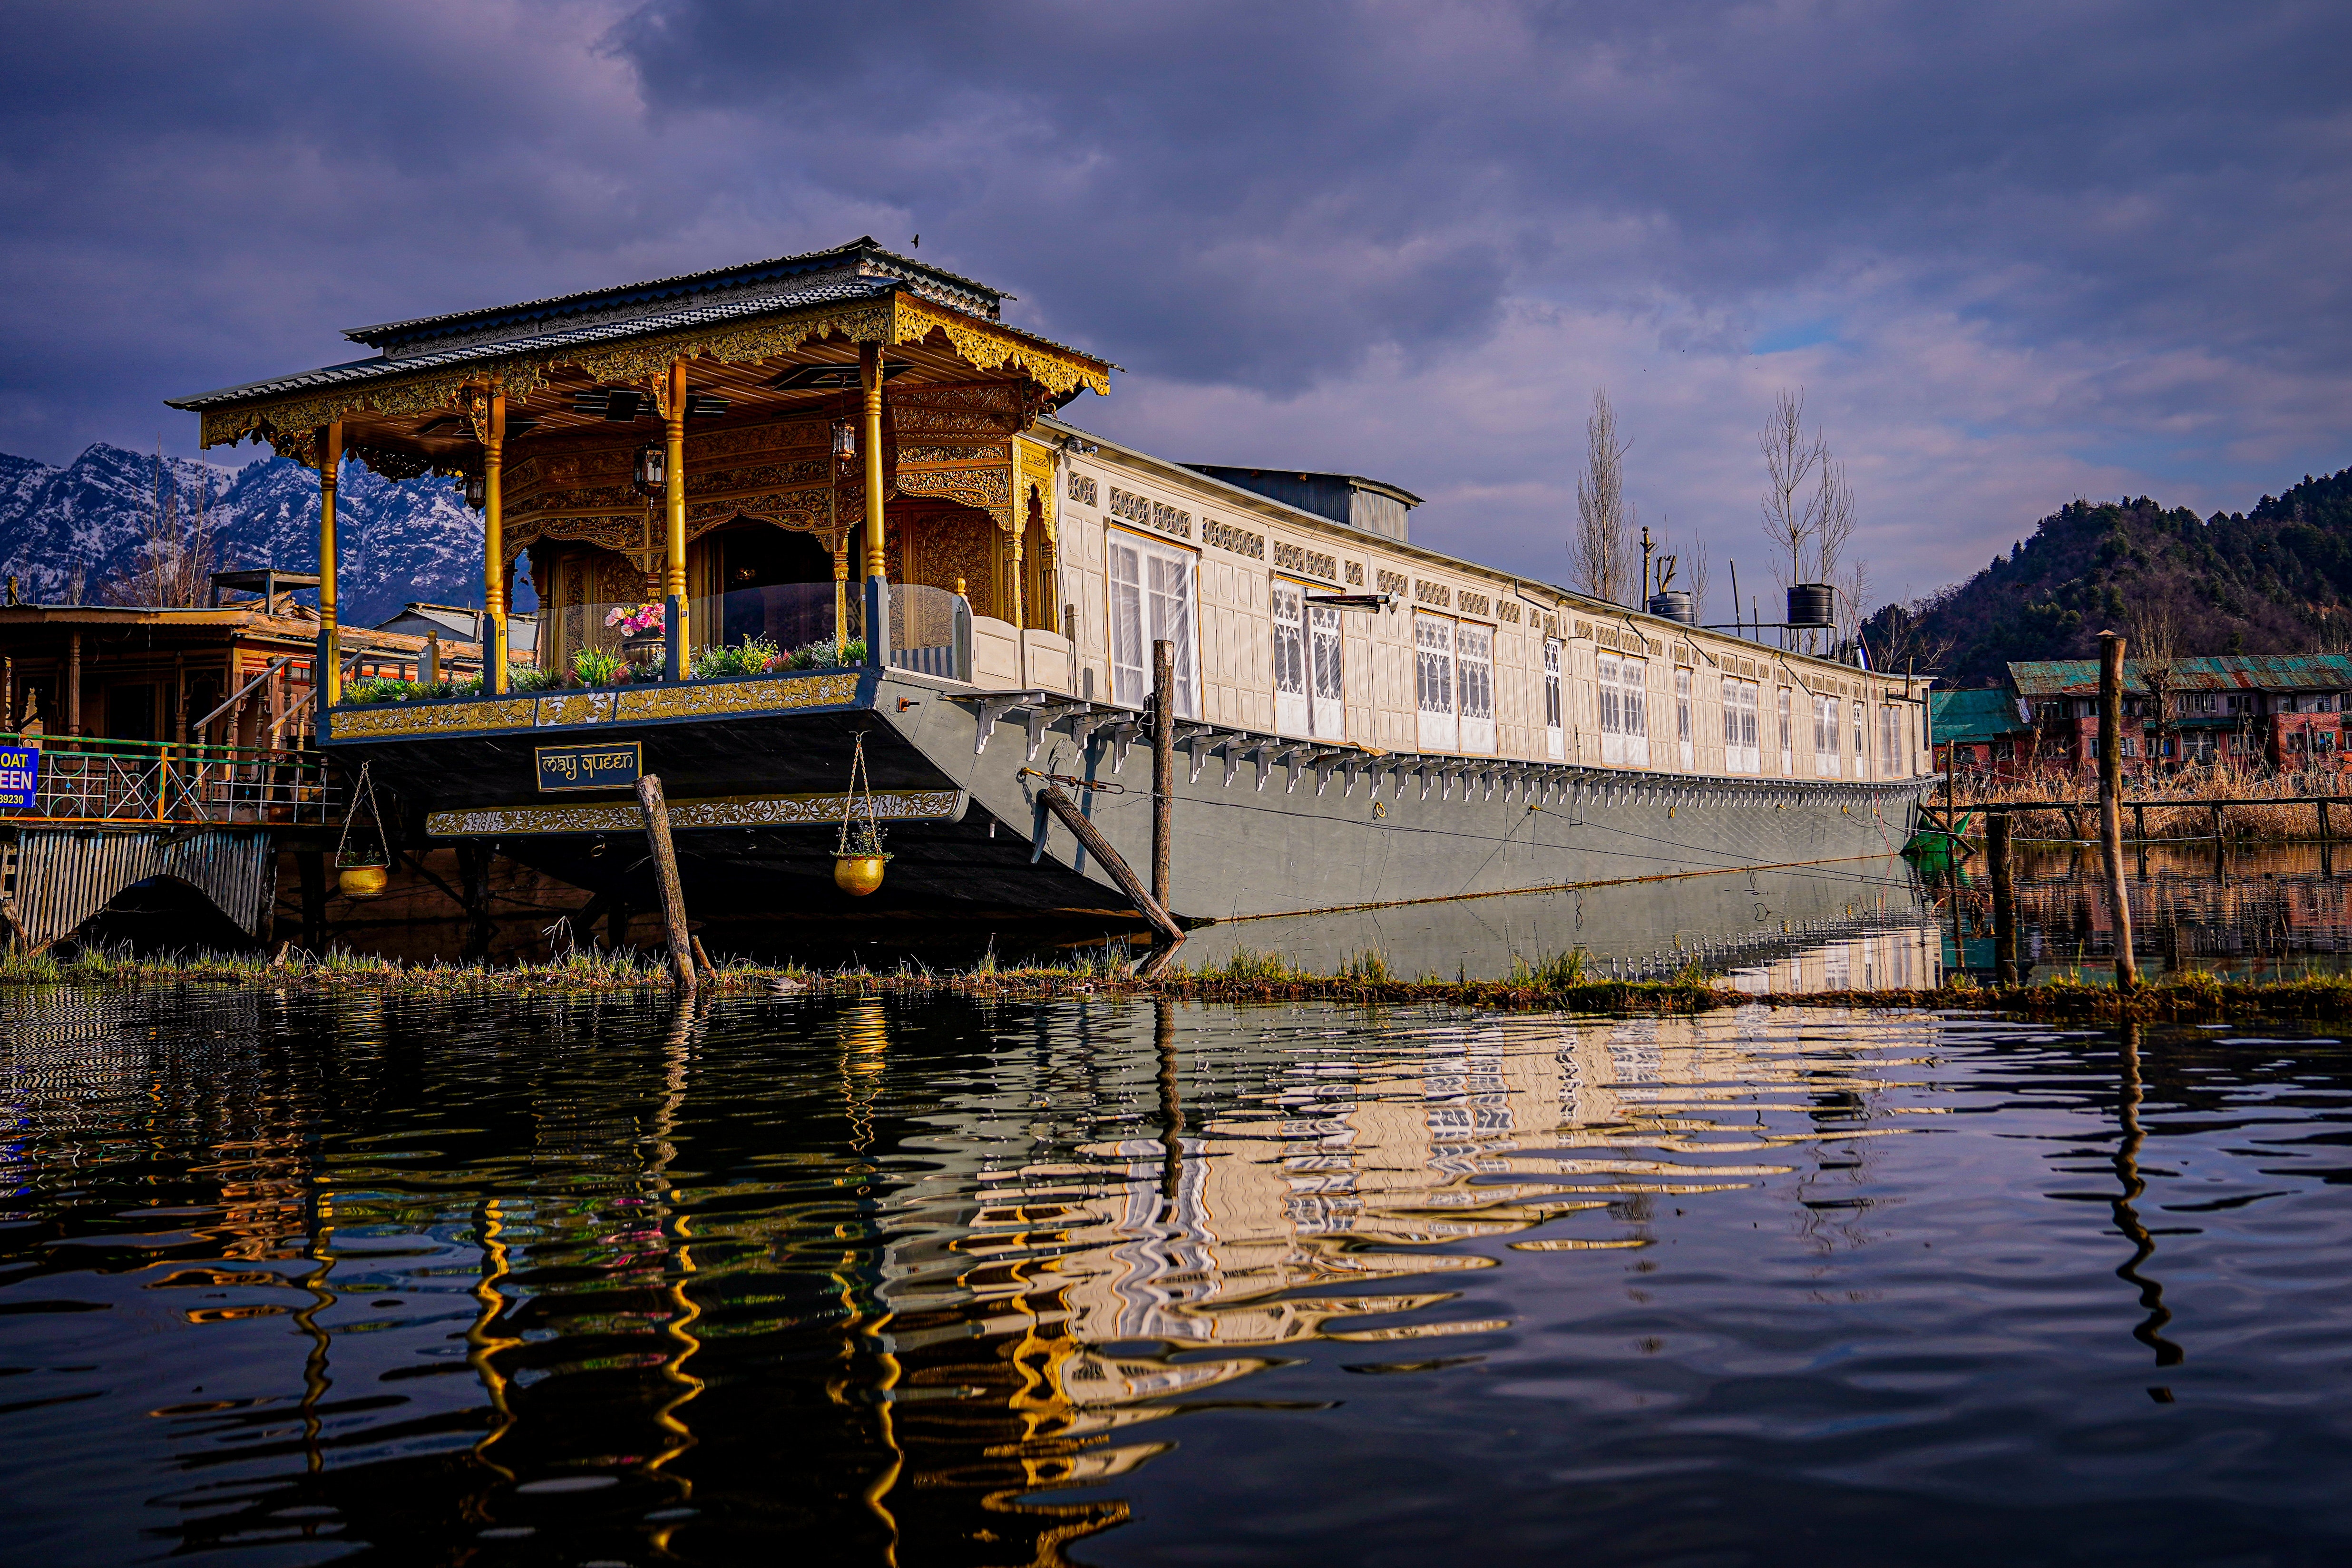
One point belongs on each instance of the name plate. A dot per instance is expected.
(20, 777)
(606, 766)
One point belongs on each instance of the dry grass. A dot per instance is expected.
(2188, 809)
(1552, 984)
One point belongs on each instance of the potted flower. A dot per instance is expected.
(858, 862)
(642, 630)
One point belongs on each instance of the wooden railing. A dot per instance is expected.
(89, 781)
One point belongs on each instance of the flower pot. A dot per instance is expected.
(857, 875)
(361, 881)
(648, 647)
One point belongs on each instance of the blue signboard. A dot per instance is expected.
(20, 777)
(606, 766)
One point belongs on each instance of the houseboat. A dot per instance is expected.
(896, 581)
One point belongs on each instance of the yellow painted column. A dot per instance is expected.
(878, 588)
(494, 548)
(328, 682)
(840, 596)
(674, 561)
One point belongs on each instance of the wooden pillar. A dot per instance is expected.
(840, 596)
(1163, 763)
(2111, 821)
(674, 605)
(2004, 899)
(1013, 569)
(673, 895)
(474, 859)
(313, 866)
(877, 587)
(327, 675)
(494, 546)
(73, 683)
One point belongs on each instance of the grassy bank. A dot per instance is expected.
(1558, 985)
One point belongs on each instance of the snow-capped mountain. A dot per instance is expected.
(414, 540)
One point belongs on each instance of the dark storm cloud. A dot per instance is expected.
(2014, 250)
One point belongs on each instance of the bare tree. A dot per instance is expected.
(173, 565)
(1832, 516)
(2154, 644)
(1602, 553)
(1852, 594)
(1906, 644)
(1790, 456)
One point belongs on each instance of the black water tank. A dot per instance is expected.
(1812, 604)
(1674, 604)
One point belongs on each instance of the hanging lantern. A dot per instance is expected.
(478, 491)
(845, 439)
(653, 469)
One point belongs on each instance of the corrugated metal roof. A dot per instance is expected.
(863, 251)
(384, 369)
(2216, 673)
(1972, 717)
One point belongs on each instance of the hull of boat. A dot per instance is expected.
(757, 772)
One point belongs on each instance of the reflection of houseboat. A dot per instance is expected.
(851, 447)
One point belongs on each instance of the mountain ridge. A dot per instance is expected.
(397, 543)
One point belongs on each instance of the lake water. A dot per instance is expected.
(288, 1278)
(2256, 911)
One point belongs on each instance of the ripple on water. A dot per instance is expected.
(1128, 1282)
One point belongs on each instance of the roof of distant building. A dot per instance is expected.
(1972, 717)
(2214, 673)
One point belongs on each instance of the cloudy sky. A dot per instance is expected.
(2012, 253)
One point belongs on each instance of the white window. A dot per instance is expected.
(1293, 712)
(1152, 597)
(1861, 742)
(1890, 739)
(1624, 711)
(1555, 727)
(1826, 737)
(1329, 720)
(1474, 657)
(1739, 750)
(1432, 640)
(1787, 752)
(1684, 737)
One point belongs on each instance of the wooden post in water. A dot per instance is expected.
(1164, 762)
(2004, 899)
(2323, 820)
(2111, 785)
(673, 896)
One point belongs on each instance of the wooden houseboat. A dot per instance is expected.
(850, 457)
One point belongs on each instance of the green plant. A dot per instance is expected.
(598, 667)
(1369, 966)
(1560, 972)
(865, 838)
(751, 656)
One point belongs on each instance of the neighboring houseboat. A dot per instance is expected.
(2235, 710)
(848, 456)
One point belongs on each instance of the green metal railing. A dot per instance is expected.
(95, 782)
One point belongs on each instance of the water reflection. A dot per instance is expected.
(2257, 911)
(1846, 923)
(587, 1279)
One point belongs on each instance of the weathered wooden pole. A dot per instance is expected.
(1164, 762)
(2323, 820)
(673, 896)
(2004, 899)
(2110, 785)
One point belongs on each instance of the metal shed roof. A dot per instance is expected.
(2213, 672)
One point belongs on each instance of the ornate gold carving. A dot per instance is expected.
(403, 718)
(949, 453)
(712, 811)
(713, 698)
(575, 708)
(988, 489)
(988, 347)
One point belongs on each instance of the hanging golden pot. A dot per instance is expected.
(361, 881)
(857, 875)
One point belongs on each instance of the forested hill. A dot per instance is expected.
(2275, 580)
